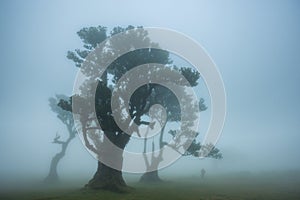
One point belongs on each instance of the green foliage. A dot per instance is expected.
(90, 37)
(62, 111)
(143, 97)
(191, 75)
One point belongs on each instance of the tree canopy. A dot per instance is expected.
(140, 101)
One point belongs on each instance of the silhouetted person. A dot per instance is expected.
(203, 173)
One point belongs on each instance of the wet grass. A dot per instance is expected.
(222, 187)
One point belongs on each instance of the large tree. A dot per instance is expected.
(140, 102)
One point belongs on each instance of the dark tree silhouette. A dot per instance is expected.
(67, 119)
(140, 102)
(105, 176)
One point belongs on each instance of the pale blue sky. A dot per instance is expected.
(255, 44)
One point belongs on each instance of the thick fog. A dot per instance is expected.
(255, 45)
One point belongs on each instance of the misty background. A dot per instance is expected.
(255, 44)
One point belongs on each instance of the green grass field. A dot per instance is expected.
(230, 186)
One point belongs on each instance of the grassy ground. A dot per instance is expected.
(222, 187)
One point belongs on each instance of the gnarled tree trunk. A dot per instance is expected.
(152, 176)
(107, 178)
(52, 175)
